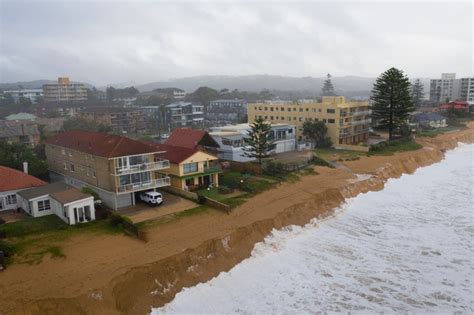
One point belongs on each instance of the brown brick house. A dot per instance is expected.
(117, 168)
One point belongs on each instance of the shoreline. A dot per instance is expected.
(125, 276)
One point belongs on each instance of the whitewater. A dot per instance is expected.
(406, 248)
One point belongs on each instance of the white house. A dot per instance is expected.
(11, 182)
(67, 202)
(428, 120)
(231, 140)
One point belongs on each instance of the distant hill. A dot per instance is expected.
(36, 84)
(254, 83)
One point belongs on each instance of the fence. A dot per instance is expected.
(246, 167)
(134, 230)
(214, 204)
(359, 148)
(180, 192)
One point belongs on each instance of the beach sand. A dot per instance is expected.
(116, 274)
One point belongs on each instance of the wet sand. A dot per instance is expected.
(115, 274)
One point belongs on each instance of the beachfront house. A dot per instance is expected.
(117, 168)
(231, 140)
(11, 183)
(427, 120)
(68, 203)
(190, 168)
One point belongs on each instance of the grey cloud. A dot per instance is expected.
(107, 42)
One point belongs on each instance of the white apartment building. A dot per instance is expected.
(231, 140)
(448, 89)
(32, 94)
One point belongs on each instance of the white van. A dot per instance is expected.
(152, 197)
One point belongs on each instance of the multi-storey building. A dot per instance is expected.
(226, 111)
(231, 140)
(64, 92)
(116, 167)
(184, 114)
(449, 89)
(123, 120)
(347, 122)
(22, 132)
(34, 95)
(467, 90)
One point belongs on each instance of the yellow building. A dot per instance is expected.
(190, 168)
(347, 122)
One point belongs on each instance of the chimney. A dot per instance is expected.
(25, 167)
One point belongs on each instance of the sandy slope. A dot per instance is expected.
(117, 274)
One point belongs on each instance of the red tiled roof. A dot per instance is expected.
(11, 179)
(454, 105)
(99, 144)
(189, 138)
(174, 154)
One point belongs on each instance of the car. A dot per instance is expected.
(152, 198)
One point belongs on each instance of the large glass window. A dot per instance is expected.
(10, 199)
(44, 205)
(190, 168)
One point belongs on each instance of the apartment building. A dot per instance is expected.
(64, 92)
(184, 114)
(123, 120)
(226, 111)
(22, 132)
(116, 167)
(448, 89)
(466, 92)
(231, 140)
(34, 95)
(347, 122)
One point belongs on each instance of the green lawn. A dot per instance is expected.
(390, 148)
(331, 154)
(28, 240)
(434, 132)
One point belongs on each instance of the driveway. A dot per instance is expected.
(171, 204)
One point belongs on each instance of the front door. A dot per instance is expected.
(79, 215)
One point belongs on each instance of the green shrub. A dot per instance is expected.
(90, 191)
(225, 190)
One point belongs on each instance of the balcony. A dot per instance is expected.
(212, 169)
(153, 166)
(138, 186)
(362, 113)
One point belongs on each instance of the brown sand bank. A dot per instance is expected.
(115, 274)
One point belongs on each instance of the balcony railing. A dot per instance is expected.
(155, 183)
(153, 166)
(361, 113)
(212, 168)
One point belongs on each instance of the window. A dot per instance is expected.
(301, 109)
(122, 162)
(331, 121)
(65, 166)
(331, 111)
(190, 168)
(71, 167)
(44, 205)
(10, 199)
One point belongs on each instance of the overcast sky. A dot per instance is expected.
(142, 41)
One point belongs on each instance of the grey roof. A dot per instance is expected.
(16, 128)
(427, 117)
(43, 190)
